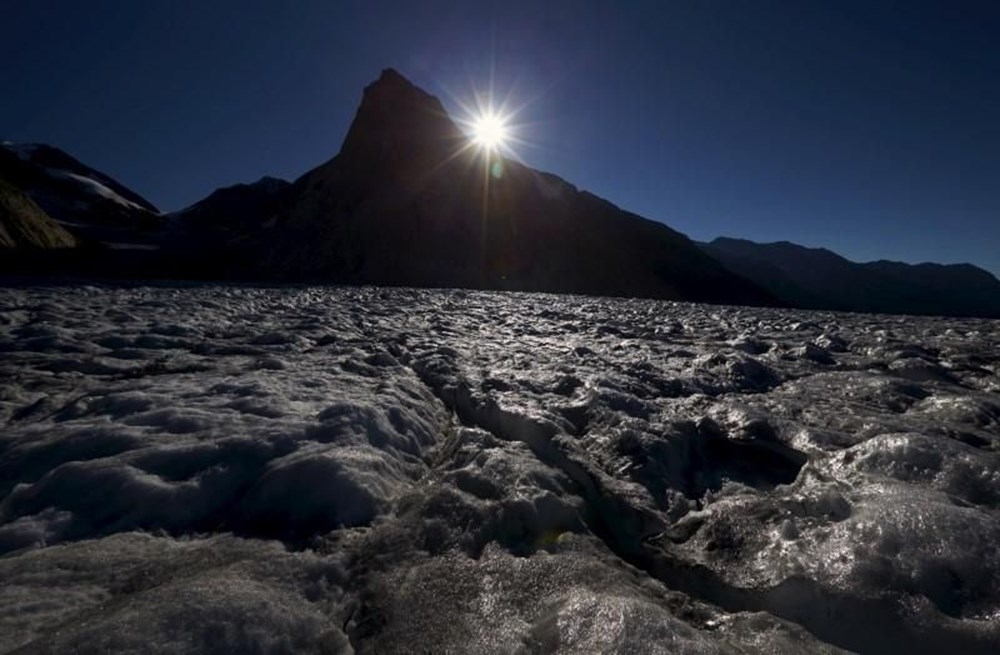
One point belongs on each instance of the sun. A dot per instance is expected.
(489, 131)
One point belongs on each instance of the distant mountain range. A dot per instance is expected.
(816, 278)
(406, 201)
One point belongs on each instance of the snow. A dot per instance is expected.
(94, 188)
(217, 469)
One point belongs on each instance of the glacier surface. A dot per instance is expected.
(285, 470)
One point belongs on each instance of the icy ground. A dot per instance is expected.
(225, 470)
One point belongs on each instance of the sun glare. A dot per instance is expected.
(489, 131)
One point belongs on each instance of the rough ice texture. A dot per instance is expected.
(222, 469)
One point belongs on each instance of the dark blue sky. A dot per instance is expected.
(871, 127)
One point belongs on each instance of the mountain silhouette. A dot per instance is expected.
(410, 201)
(816, 278)
(407, 201)
(236, 208)
(209, 239)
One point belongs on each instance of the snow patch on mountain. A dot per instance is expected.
(94, 188)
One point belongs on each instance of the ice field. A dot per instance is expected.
(335, 470)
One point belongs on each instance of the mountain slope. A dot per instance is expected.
(23, 224)
(408, 202)
(815, 278)
(209, 239)
(237, 207)
(88, 203)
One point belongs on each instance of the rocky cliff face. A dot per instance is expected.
(408, 201)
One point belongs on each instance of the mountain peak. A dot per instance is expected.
(394, 116)
(392, 87)
(36, 164)
(392, 76)
(271, 184)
